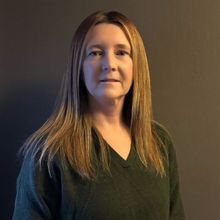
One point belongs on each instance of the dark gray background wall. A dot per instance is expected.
(183, 45)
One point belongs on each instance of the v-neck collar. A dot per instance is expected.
(124, 163)
(114, 156)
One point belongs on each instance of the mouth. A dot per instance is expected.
(109, 80)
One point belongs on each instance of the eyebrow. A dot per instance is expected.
(120, 46)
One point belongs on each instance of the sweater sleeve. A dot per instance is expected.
(176, 206)
(37, 194)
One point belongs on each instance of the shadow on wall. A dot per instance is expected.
(21, 114)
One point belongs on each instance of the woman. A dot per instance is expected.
(100, 155)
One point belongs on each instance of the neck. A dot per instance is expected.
(107, 113)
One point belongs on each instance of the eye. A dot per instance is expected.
(122, 53)
(95, 53)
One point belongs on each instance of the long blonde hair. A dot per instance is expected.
(69, 130)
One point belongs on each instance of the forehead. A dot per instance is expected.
(106, 34)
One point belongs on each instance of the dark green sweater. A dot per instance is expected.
(132, 192)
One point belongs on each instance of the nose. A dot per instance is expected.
(109, 62)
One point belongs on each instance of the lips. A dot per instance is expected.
(109, 80)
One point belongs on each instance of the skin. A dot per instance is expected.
(108, 76)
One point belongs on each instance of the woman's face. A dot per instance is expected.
(108, 66)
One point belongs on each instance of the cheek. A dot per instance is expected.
(89, 76)
(130, 72)
(89, 69)
(87, 72)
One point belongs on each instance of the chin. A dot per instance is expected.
(112, 96)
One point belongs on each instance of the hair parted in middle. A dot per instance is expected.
(69, 130)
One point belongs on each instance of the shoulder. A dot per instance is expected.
(164, 139)
(37, 190)
(161, 131)
(35, 170)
